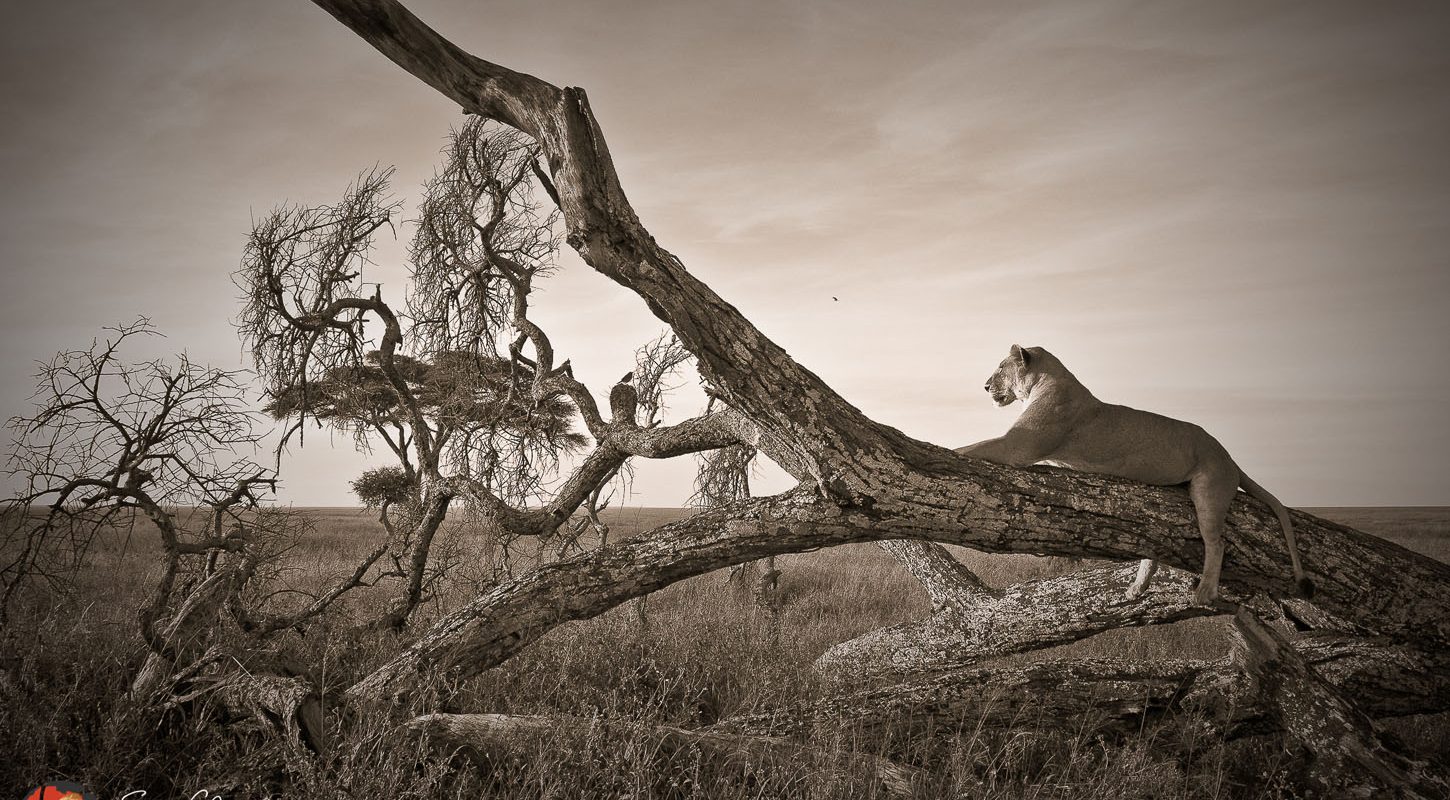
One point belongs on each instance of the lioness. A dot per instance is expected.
(1063, 424)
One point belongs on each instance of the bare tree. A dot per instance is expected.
(170, 441)
(108, 439)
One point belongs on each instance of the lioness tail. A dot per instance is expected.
(1305, 586)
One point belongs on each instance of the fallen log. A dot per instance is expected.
(1114, 696)
(1029, 616)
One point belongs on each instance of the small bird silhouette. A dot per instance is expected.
(833, 297)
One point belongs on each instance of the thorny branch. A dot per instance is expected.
(464, 388)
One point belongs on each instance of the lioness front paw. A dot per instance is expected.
(1205, 595)
(1135, 592)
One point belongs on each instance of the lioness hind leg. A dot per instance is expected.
(1211, 495)
(1146, 568)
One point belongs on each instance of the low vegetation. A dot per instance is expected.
(697, 652)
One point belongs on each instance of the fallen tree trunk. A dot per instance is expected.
(1058, 695)
(1038, 614)
(484, 737)
(1112, 696)
(1096, 697)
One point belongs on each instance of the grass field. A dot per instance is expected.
(694, 653)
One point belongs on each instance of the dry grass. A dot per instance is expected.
(1424, 529)
(701, 651)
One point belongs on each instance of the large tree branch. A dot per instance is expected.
(1028, 616)
(750, 371)
(493, 627)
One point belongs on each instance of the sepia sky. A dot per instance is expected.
(1236, 213)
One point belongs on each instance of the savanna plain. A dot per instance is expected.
(697, 652)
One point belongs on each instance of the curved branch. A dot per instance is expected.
(618, 441)
(493, 627)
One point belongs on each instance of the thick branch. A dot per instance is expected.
(1029, 616)
(492, 628)
(948, 582)
(190, 630)
(498, 624)
(750, 371)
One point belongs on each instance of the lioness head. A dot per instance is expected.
(1016, 375)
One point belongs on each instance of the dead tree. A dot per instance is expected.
(109, 440)
(860, 480)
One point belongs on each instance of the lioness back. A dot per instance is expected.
(1140, 446)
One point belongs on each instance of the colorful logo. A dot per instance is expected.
(59, 790)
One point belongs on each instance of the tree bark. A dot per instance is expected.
(948, 582)
(493, 627)
(1028, 616)
(190, 632)
(1352, 757)
(885, 483)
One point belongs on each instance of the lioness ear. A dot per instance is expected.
(1019, 353)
